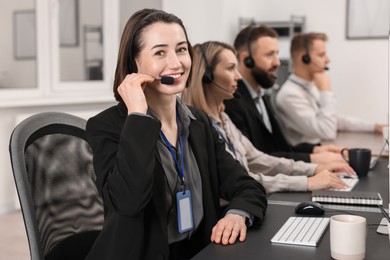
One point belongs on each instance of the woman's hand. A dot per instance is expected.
(132, 92)
(228, 229)
(326, 157)
(327, 148)
(325, 180)
(379, 129)
(336, 167)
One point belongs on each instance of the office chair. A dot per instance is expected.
(54, 177)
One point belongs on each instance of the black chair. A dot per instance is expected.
(55, 180)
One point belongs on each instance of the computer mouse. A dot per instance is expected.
(309, 208)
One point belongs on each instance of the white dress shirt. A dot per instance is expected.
(274, 173)
(309, 116)
(259, 102)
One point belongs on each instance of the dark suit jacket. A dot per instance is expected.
(246, 117)
(132, 182)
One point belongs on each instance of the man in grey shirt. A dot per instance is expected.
(305, 103)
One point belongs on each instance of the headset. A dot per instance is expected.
(208, 75)
(306, 57)
(249, 61)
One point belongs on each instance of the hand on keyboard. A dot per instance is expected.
(336, 167)
(350, 182)
(325, 180)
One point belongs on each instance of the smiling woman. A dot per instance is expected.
(157, 161)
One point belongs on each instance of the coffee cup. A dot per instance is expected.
(348, 237)
(359, 159)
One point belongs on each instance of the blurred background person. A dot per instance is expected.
(257, 53)
(214, 79)
(306, 104)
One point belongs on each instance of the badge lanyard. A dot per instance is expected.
(179, 167)
(183, 197)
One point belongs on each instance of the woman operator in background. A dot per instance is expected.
(214, 79)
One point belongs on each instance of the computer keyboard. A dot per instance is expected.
(351, 182)
(305, 231)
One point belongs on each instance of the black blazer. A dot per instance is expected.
(131, 180)
(246, 117)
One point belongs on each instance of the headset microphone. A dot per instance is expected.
(208, 75)
(326, 68)
(166, 80)
(236, 94)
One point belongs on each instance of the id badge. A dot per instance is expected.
(184, 211)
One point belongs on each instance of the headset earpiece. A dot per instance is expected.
(249, 61)
(306, 57)
(208, 75)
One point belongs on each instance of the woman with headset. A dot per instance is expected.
(161, 168)
(214, 79)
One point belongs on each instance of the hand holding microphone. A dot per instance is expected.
(132, 93)
(132, 87)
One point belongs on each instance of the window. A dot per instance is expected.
(58, 51)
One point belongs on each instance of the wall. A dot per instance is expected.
(9, 66)
(128, 7)
(359, 68)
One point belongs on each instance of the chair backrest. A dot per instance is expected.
(55, 180)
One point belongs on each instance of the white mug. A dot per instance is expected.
(348, 237)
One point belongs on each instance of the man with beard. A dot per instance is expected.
(257, 53)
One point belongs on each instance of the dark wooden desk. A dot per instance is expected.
(258, 245)
(376, 180)
(282, 206)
